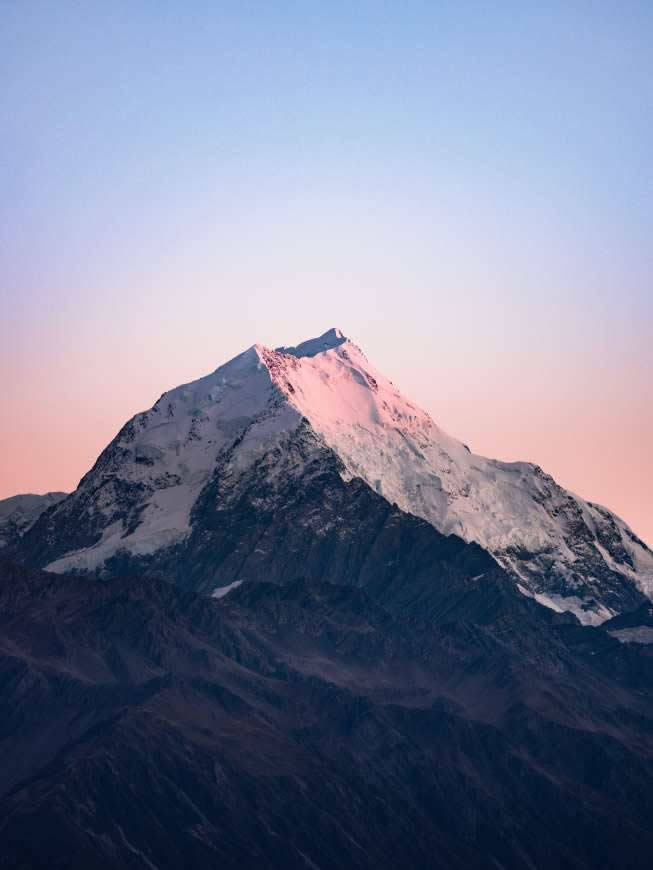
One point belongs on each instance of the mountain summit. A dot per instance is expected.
(267, 416)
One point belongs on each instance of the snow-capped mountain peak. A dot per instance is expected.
(139, 496)
(327, 341)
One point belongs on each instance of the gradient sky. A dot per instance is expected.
(464, 188)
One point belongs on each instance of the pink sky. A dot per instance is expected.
(589, 423)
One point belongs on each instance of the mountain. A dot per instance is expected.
(19, 512)
(174, 484)
(287, 622)
(422, 713)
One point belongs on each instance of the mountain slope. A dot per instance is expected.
(267, 412)
(19, 512)
(427, 716)
(557, 543)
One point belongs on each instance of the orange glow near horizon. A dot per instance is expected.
(593, 434)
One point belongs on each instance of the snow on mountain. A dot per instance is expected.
(142, 488)
(554, 541)
(331, 339)
(19, 512)
(568, 553)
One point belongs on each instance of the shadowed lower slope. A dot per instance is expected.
(422, 713)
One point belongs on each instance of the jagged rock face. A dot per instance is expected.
(150, 493)
(444, 721)
(19, 513)
(259, 525)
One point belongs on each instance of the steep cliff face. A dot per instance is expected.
(261, 420)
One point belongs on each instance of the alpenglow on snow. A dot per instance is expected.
(137, 500)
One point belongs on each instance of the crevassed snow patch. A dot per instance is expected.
(594, 615)
(638, 634)
(561, 603)
(221, 591)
